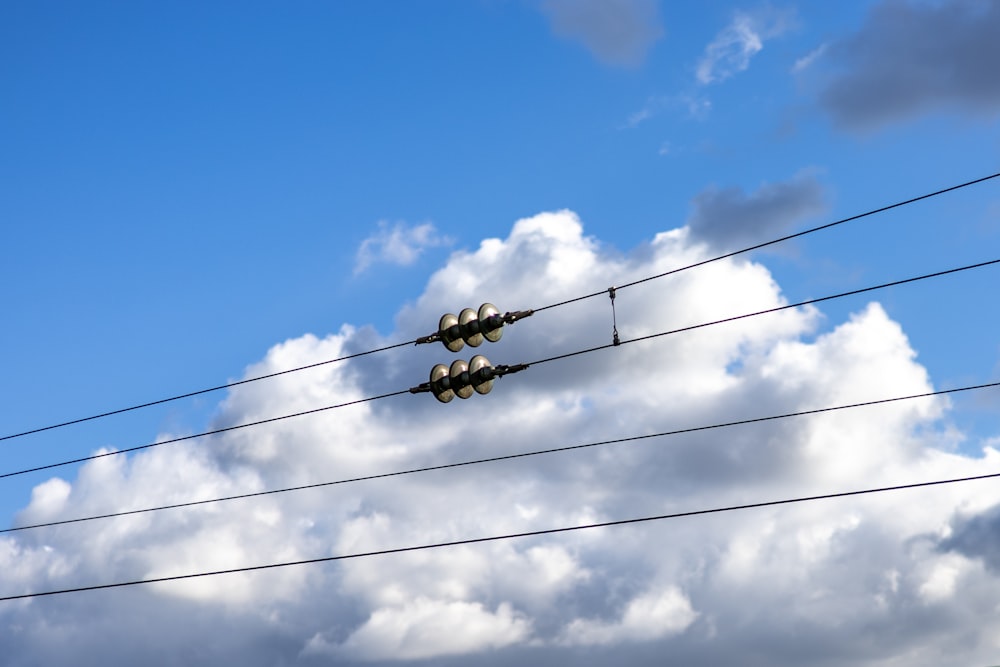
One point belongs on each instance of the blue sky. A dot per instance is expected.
(186, 185)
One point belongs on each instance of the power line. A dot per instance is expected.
(425, 386)
(199, 435)
(769, 310)
(778, 240)
(202, 391)
(550, 306)
(505, 457)
(508, 536)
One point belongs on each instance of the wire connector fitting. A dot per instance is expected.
(511, 317)
(615, 340)
(463, 378)
(472, 327)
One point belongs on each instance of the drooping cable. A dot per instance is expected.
(782, 239)
(202, 391)
(508, 536)
(617, 342)
(522, 366)
(199, 435)
(505, 457)
(550, 306)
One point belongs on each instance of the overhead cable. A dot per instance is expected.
(508, 536)
(775, 241)
(550, 306)
(505, 457)
(425, 387)
(202, 391)
(616, 341)
(199, 435)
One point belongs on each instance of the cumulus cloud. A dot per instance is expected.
(731, 51)
(911, 58)
(618, 32)
(908, 575)
(653, 615)
(398, 244)
(424, 628)
(729, 218)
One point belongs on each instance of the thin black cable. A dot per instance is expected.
(202, 391)
(553, 305)
(505, 457)
(773, 242)
(541, 361)
(199, 435)
(769, 310)
(509, 536)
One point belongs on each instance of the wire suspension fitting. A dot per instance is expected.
(615, 340)
(472, 327)
(463, 378)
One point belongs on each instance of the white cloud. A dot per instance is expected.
(643, 114)
(424, 628)
(619, 32)
(910, 574)
(653, 615)
(735, 46)
(694, 106)
(806, 61)
(942, 578)
(398, 244)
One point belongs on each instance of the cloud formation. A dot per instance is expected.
(425, 628)
(727, 218)
(911, 58)
(735, 46)
(807, 61)
(694, 106)
(398, 244)
(905, 575)
(617, 32)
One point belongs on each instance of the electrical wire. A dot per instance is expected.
(541, 361)
(768, 310)
(202, 391)
(505, 457)
(508, 536)
(199, 435)
(550, 306)
(775, 241)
